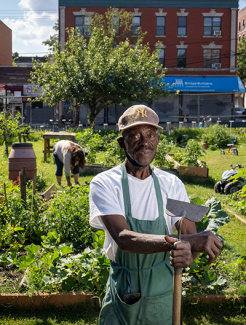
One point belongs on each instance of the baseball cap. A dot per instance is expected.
(137, 115)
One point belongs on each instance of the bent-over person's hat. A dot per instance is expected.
(137, 115)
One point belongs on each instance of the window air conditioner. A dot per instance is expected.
(217, 33)
(216, 65)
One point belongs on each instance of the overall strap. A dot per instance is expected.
(126, 193)
(158, 193)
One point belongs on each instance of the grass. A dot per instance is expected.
(194, 314)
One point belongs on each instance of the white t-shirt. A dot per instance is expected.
(106, 198)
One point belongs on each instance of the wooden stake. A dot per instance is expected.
(5, 195)
(34, 185)
(34, 181)
(22, 175)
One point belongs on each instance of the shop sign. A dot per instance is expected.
(2, 90)
(31, 90)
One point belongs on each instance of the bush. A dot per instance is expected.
(183, 135)
(217, 135)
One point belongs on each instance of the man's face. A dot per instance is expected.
(140, 142)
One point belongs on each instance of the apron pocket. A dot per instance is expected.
(157, 310)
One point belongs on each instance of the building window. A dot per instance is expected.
(182, 24)
(83, 23)
(210, 57)
(136, 24)
(160, 25)
(239, 25)
(212, 25)
(181, 63)
(162, 57)
(116, 24)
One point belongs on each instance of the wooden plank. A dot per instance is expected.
(47, 194)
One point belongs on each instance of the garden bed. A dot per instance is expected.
(45, 300)
(201, 171)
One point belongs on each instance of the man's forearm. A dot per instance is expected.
(132, 242)
(68, 180)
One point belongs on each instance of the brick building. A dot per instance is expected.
(6, 45)
(199, 44)
(241, 27)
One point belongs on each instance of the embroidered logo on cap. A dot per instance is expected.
(142, 111)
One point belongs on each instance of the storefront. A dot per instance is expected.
(200, 97)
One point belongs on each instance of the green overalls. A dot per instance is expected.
(149, 274)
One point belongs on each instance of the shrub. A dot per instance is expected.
(216, 135)
(183, 135)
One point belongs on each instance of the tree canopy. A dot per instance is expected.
(241, 60)
(110, 66)
(52, 42)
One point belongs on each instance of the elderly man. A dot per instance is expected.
(128, 202)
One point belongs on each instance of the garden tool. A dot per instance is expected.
(192, 212)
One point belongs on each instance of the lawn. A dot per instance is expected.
(234, 247)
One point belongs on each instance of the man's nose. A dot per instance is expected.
(144, 140)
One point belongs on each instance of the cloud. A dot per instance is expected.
(29, 32)
(38, 4)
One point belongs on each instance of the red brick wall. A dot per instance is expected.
(241, 16)
(6, 45)
(194, 39)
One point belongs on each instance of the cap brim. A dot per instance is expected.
(140, 123)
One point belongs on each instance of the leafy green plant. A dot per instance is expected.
(183, 135)
(8, 128)
(164, 147)
(114, 154)
(68, 213)
(216, 135)
(189, 156)
(200, 276)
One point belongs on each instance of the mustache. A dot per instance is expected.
(143, 147)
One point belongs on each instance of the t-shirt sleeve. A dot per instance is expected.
(103, 201)
(66, 162)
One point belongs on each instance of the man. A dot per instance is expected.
(128, 202)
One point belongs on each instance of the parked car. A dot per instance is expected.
(240, 112)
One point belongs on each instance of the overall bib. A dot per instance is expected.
(148, 274)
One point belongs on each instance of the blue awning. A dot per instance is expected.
(205, 84)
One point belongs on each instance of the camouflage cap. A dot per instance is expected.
(137, 115)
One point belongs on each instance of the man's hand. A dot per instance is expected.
(181, 255)
(205, 242)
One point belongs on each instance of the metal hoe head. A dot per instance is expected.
(190, 211)
(194, 212)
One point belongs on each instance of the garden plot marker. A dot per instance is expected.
(192, 212)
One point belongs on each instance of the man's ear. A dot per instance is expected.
(121, 142)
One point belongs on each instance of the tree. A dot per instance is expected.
(9, 127)
(103, 69)
(52, 42)
(241, 60)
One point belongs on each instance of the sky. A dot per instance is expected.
(31, 22)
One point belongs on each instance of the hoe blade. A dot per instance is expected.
(194, 212)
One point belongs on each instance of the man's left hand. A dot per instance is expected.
(181, 255)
